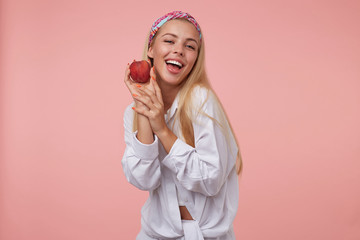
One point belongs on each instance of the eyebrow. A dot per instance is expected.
(188, 39)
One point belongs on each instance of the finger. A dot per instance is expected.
(157, 91)
(144, 98)
(127, 73)
(134, 91)
(127, 80)
(142, 111)
(152, 76)
(152, 96)
(129, 83)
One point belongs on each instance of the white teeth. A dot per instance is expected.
(174, 62)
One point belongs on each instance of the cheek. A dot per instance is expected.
(192, 60)
(159, 54)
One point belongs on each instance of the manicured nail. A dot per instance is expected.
(133, 108)
(139, 86)
(153, 78)
(135, 95)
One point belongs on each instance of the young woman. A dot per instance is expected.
(179, 144)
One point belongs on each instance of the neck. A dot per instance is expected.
(168, 93)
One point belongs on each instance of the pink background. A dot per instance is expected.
(288, 73)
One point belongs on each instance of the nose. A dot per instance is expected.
(178, 49)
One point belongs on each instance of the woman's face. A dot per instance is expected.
(174, 51)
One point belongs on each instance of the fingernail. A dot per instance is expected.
(153, 78)
(139, 86)
(128, 63)
(135, 95)
(133, 108)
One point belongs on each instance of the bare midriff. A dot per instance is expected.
(184, 213)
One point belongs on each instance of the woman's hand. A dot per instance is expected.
(134, 87)
(154, 105)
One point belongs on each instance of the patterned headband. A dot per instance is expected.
(169, 16)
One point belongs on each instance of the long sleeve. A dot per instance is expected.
(206, 167)
(140, 161)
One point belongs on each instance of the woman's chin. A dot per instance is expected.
(172, 80)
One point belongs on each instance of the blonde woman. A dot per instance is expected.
(179, 144)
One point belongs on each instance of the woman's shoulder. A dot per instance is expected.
(201, 91)
(203, 97)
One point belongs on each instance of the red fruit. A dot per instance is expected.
(140, 71)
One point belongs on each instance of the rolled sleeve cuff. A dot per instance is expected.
(145, 151)
(177, 151)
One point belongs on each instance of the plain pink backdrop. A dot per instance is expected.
(287, 72)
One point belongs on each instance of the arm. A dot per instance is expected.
(145, 133)
(153, 113)
(140, 161)
(206, 167)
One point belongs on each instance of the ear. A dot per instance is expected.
(150, 52)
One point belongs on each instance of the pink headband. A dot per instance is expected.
(169, 16)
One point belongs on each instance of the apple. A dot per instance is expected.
(140, 71)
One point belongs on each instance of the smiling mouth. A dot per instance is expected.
(174, 64)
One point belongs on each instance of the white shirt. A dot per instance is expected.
(203, 178)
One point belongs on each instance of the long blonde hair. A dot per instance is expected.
(196, 77)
